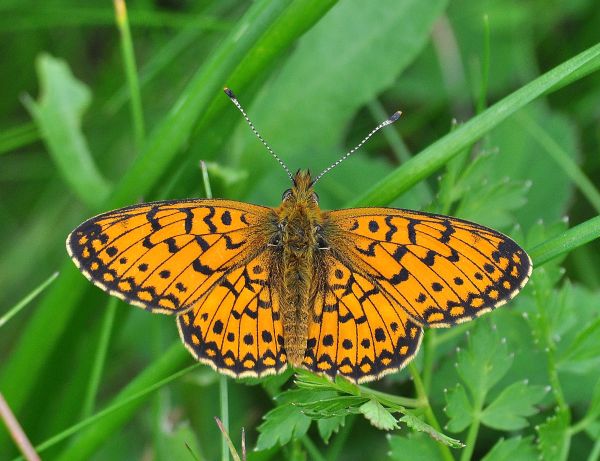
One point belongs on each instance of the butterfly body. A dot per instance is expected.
(342, 292)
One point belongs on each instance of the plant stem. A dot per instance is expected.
(131, 73)
(429, 415)
(224, 400)
(16, 431)
(312, 449)
(27, 299)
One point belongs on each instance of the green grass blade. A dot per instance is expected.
(27, 299)
(124, 406)
(137, 113)
(19, 136)
(100, 358)
(567, 241)
(441, 151)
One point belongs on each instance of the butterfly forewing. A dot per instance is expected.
(164, 256)
(440, 270)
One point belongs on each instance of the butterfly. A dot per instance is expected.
(257, 289)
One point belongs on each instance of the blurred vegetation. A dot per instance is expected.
(500, 125)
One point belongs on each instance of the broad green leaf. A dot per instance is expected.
(280, 425)
(415, 447)
(553, 438)
(378, 415)
(345, 61)
(484, 362)
(327, 426)
(58, 115)
(419, 425)
(509, 410)
(459, 409)
(514, 449)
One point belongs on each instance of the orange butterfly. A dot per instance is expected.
(336, 292)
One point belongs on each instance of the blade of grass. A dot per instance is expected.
(18, 136)
(100, 358)
(441, 151)
(567, 241)
(128, 55)
(27, 299)
(41, 17)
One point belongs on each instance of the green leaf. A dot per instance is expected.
(553, 438)
(281, 425)
(419, 425)
(327, 426)
(459, 409)
(586, 344)
(415, 447)
(484, 362)
(514, 449)
(335, 406)
(172, 445)
(512, 406)
(378, 415)
(58, 114)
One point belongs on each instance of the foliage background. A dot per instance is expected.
(315, 77)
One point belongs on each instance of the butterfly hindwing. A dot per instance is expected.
(440, 270)
(236, 328)
(163, 256)
(356, 330)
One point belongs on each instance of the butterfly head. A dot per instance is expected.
(302, 191)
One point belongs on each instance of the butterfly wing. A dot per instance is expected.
(440, 270)
(357, 330)
(164, 256)
(236, 328)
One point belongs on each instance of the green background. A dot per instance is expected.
(500, 125)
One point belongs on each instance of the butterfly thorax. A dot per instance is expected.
(299, 222)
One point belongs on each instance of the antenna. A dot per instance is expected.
(229, 93)
(395, 116)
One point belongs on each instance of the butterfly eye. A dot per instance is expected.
(287, 194)
(315, 197)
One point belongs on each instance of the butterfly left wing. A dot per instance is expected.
(164, 256)
(440, 270)
(357, 330)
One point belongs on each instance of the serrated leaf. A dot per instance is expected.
(378, 415)
(327, 426)
(553, 437)
(415, 447)
(515, 449)
(509, 410)
(458, 409)
(419, 425)
(340, 405)
(280, 425)
(58, 115)
(484, 362)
